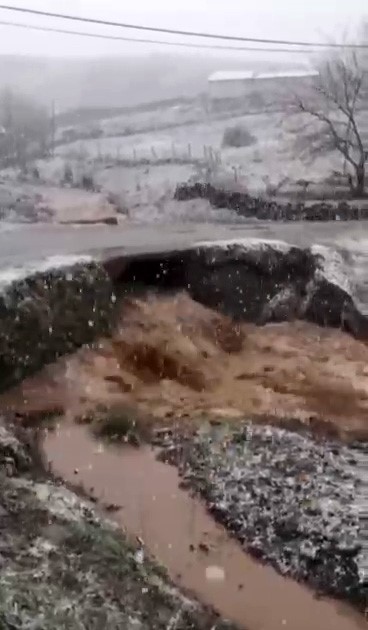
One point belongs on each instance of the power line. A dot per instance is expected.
(151, 41)
(170, 31)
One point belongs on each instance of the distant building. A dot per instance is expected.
(237, 85)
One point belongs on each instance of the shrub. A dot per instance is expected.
(237, 137)
(120, 423)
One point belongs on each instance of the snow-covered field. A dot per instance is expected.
(142, 168)
(272, 158)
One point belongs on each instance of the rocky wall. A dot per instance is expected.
(45, 314)
(268, 281)
(247, 206)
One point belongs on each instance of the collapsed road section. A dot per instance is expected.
(48, 312)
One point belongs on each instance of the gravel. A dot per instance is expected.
(290, 500)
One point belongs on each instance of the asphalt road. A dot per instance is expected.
(28, 243)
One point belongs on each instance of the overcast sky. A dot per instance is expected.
(316, 20)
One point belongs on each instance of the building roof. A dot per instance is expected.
(246, 75)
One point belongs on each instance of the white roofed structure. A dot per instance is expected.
(236, 84)
(246, 75)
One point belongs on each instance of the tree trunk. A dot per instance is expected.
(360, 181)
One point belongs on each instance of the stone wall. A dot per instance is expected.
(247, 206)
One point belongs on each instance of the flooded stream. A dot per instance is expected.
(176, 529)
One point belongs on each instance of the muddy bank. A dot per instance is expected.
(247, 206)
(65, 567)
(177, 530)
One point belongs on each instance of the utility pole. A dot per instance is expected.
(53, 127)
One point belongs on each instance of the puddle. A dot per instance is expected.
(177, 530)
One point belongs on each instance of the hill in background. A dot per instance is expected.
(117, 82)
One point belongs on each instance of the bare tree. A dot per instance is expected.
(335, 103)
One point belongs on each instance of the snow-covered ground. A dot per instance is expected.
(146, 189)
(169, 146)
(272, 158)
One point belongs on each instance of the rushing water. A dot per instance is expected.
(177, 530)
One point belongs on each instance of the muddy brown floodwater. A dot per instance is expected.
(178, 531)
(180, 361)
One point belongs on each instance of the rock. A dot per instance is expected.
(250, 279)
(13, 454)
(283, 306)
(332, 297)
(263, 281)
(353, 320)
(112, 507)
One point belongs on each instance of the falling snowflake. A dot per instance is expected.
(215, 574)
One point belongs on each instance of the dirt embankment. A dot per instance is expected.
(179, 361)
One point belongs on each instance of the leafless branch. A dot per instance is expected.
(335, 104)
